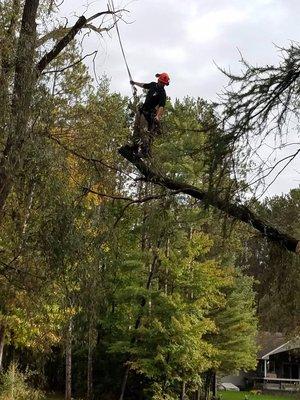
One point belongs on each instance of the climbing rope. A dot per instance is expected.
(111, 7)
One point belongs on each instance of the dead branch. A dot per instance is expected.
(56, 34)
(52, 54)
(55, 71)
(61, 31)
(259, 104)
(67, 38)
(268, 171)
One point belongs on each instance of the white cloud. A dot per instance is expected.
(175, 54)
(209, 26)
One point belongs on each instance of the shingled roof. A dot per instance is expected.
(273, 343)
(268, 342)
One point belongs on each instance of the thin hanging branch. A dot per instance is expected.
(56, 71)
(260, 106)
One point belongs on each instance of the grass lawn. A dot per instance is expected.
(227, 395)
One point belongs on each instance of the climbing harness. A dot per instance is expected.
(111, 8)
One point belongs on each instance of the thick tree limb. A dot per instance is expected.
(69, 36)
(239, 212)
(52, 54)
(56, 34)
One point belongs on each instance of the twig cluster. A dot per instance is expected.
(259, 107)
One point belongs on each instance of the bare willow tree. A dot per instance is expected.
(25, 55)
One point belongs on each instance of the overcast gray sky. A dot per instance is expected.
(185, 38)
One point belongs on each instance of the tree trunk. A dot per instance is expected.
(199, 392)
(26, 217)
(167, 254)
(214, 384)
(2, 333)
(28, 210)
(124, 383)
(21, 99)
(182, 396)
(90, 367)
(237, 211)
(68, 389)
(7, 63)
(207, 384)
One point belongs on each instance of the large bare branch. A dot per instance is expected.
(56, 34)
(57, 49)
(69, 36)
(237, 211)
(61, 31)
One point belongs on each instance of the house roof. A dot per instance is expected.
(272, 343)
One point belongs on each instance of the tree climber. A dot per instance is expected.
(148, 117)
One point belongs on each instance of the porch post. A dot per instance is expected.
(265, 368)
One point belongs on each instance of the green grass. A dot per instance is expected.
(54, 397)
(225, 396)
(241, 396)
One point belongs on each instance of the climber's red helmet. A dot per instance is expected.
(163, 78)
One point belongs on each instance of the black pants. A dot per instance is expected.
(145, 129)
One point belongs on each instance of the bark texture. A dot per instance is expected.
(237, 211)
(21, 99)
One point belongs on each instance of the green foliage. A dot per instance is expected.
(276, 271)
(14, 386)
(148, 284)
(237, 328)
